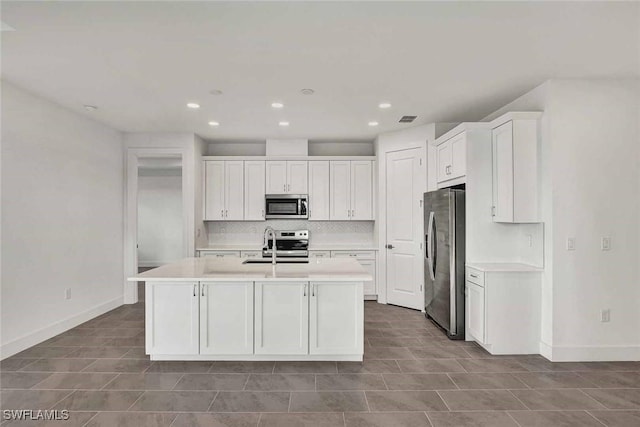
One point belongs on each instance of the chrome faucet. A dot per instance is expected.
(270, 231)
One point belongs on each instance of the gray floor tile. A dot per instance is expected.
(179, 366)
(492, 365)
(386, 419)
(302, 420)
(349, 382)
(281, 382)
(58, 365)
(134, 353)
(14, 364)
(553, 380)
(560, 399)
(251, 401)
(430, 365)
(94, 400)
(118, 365)
(481, 400)
(75, 380)
(212, 382)
(328, 401)
(387, 353)
(131, 419)
(98, 352)
(76, 419)
(155, 381)
(369, 367)
(607, 379)
(242, 367)
(618, 418)
(21, 380)
(41, 351)
(405, 401)
(618, 398)
(472, 419)
(31, 399)
(394, 342)
(418, 382)
(216, 420)
(83, 342)
(487, 381)
(174, 401)
(306, 368)
(438, 352)
(555, 418)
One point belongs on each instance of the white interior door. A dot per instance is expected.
(405, 186)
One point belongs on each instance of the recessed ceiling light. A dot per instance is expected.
(307, 91)
(384, 105)
(277, 104)
(214, 123)
(90, 107)
(193, 105)
(373, 123)
(283, 123)
(215, 92)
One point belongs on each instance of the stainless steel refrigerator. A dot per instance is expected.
(444, 226)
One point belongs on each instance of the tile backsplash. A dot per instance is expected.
(320, 232)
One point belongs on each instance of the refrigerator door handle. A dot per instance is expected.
(432, 272)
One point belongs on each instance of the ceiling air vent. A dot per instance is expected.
(407, 119)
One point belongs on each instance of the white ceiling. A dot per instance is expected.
(141, 62)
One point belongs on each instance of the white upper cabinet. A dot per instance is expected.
(351, 190)
(223, 190)
(319, 190)
(515, 168)
(286, 177)
(254, 190)
(452, 158)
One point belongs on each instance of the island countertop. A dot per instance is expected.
(233, 269)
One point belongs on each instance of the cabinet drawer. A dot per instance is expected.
(220, 254)
(354, 254)
(251, 254)
(475, 276)
(319, 254)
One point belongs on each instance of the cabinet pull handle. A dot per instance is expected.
(202, 290)
(288, 187)
(284, 188)
(353, 213)
(195, 291)
(473, 275)
(262, 213)
(305, 290)
(313, 290)
(222, 213)
(348, 213)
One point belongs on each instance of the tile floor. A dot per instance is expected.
(412, 376)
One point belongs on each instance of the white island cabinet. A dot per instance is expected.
(223, 309)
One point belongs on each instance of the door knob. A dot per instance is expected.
(389, 246)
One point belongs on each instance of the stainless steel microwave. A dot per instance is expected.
(286, 206)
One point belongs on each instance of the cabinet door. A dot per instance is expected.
(340, 190)
(443, 155)
(502, 146)
(282, 318)
(336, 318)
(234, 190)
(214, 187)
(361, 190)
(276, 177)
(319, 190)
(172, 318)
(475, 294)
(297, 177)
(370, 266)
(458, 156)
(254, 190)
(226, 318)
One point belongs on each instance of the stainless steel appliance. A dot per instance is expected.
(444, 226)
(289, 244)
(286, 206)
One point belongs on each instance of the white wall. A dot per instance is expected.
(62, 195)
(160, 225)
(590, 188)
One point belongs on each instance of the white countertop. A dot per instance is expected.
(504, 266)
(318, 247)
(233, 269)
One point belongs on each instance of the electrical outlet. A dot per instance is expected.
(605, 243)
(605, 315)
(571, 243)
(67, 293)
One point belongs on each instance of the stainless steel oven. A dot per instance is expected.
(286, 206)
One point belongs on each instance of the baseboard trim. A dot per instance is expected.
(605, 353)
(29, 340)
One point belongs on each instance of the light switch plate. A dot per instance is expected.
(571, 243)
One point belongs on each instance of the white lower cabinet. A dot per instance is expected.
(336, 318)
(172, 318)
(226, 318)
(475, 296)
(282, 318)
(367, 259)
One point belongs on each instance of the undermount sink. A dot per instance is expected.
(281, 261)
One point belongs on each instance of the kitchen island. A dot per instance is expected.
(228, 309)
